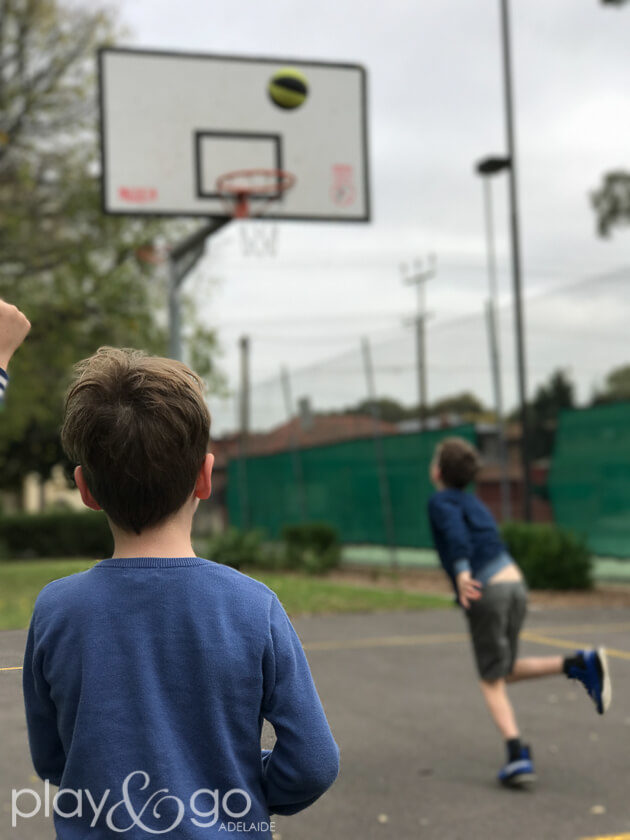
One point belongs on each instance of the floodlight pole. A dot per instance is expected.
(182, 258)
(486, 168)
(516, 261)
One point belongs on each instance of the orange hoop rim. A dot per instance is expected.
(230, 187)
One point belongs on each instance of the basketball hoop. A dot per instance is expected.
(248, 192)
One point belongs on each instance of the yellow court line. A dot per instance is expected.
(564, 643)
(538, 636)
(583, 628)
(608, 837)
(387, 641)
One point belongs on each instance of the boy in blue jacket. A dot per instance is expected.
(490, 588)
(147, 678)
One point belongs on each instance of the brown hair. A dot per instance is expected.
(458, 462)
(139, 427)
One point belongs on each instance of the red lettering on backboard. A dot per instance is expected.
(138, 195)
(343, 190)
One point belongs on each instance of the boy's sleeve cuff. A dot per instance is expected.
(460, 566)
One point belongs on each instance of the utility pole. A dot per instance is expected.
(516, 261)
(244, 403)
(244, 417)
(298, 471)
(418, 278)
(381, 465)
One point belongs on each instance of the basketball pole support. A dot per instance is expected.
(183, 257)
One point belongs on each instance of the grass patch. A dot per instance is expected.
(300, 595)
(21, 581)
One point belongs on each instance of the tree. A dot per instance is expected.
(46, 106)
(550, 398)
(466, 405)
(389, 410)
(612, 202)
(616, 388)
(71, 269)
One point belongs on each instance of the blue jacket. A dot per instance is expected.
(154, 675)
(465, 535)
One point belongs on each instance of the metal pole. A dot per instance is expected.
(244, 428)
(183, 257)
(298, 472)
(492, 262)
(244, 424)
(492, 315)
(174, 320)
(386, 501)
(419, 278)
(496, 380)
(421, 357)
(516, 262)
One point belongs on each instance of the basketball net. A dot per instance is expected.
(247, 193)
(258, 239)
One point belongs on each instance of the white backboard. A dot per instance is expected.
(172, 123)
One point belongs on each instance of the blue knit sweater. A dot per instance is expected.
(465, 535)
(154, 674)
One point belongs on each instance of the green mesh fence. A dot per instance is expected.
(590, 477)
(341, 485)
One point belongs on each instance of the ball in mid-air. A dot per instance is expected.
(288, 88)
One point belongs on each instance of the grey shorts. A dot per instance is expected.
(495, 621)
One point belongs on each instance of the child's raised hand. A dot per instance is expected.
(14, 327)
(468, 589)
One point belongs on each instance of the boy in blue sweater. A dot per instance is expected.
(489, 587)
(147, 678)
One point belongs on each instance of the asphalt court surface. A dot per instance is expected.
(419, 752)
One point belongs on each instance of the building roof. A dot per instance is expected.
(324, 428)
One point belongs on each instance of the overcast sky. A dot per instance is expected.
(435, 98)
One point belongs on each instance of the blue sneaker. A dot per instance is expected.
(518, 773)
(594, 676)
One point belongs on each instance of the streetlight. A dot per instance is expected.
(486, 168)
(516, 259)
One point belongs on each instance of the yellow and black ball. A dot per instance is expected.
(288, 88)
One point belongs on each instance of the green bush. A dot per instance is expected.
(55, 534)
(312, 547)
(549, 556)
(240, 549)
